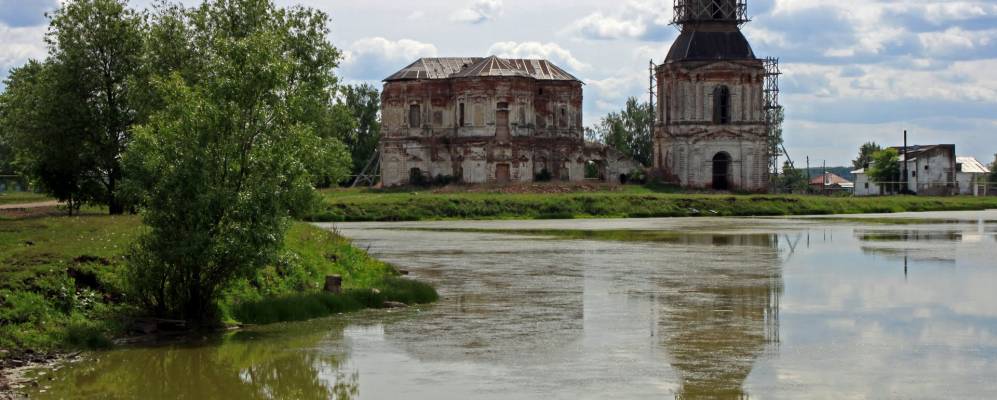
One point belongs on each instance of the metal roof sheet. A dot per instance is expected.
(971, 165)
(456, 67)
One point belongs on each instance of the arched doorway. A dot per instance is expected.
(721, 171)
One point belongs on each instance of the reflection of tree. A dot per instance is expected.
(247, 365)
(721, 311)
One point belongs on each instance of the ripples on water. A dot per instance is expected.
(671, 308)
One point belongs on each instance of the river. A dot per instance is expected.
(901, 306)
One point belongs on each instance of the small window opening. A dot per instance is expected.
(540, 91)
(925, 167)
(414, 116)
(721, 105)
(461, 114)
(503, 105)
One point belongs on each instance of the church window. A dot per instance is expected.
(414, 116)
(721, 105)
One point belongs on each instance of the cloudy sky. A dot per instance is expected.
(855, 70)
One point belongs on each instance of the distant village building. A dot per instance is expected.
(932, 170)
(488, 120)
(711, 127)
(829, 183)
(971, 176)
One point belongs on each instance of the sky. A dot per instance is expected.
(853, 70)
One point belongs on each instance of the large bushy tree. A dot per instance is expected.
(628, 131)
(97, 46)
(363, 103)
(865, 157)
(45, 126)
(232, 150)
(68, 118)
(885, 168)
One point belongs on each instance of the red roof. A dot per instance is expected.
(831, 179)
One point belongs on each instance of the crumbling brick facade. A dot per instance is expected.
(711, 130)
(487, 120)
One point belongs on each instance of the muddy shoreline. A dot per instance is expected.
(18, 372)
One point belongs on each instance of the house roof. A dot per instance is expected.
(971, 165)
(914, 151)
(831, 179)
(469, 67)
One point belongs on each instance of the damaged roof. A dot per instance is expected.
(971, 165)
(693, 45)
(453, 67)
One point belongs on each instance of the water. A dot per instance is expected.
(593, 309)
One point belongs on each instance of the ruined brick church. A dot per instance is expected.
(489, 120)
(711, 130)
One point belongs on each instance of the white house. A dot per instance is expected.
(970, 175)
(865, 186)
(931, 170)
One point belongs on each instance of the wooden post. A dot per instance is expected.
(334, 284)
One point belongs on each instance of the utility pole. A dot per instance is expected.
(808, 174)
(823, 176)
(903, 180)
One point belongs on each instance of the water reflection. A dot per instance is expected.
(677, 308)
(266, 364)
(717, 321)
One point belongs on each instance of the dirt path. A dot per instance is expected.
(25, 206)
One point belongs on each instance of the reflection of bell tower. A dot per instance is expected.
(711, 122)
(722, 316)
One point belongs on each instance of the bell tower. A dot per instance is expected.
(711, 119)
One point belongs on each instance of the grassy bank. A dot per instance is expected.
(7, 198)
(631, 202)
(61, 285)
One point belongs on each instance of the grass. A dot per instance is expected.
(61, 288)
(628, 202)
(21, 198)
(299, 307)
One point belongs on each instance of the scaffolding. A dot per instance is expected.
(652, 95)
(371, 172)
(774, 115)
(686, 11)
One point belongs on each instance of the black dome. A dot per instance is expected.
(693, 45)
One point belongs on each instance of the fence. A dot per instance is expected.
(926, 189)
(13, 183)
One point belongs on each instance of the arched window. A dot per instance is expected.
(721, 105)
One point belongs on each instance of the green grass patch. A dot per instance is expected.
(300, 307)
(22, 198)
(61, 281)
(627, 202)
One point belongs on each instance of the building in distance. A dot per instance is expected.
(489, 120)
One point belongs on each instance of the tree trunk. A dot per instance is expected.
(113, 202)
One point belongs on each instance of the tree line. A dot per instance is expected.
(216, 122)
(66, 121)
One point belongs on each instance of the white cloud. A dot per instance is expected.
(636, 19)
(549, 51)
(18, 45)
(478, 12)
(415, 15)
(375, 58)
(954, 40)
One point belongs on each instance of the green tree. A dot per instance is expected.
(793, 180)
(97, 47)
(866, 153)
(42, 123)
(363, 103)
(628, 131)
(68, 119)
(993, 170)
(885, 167)
(232, 154)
